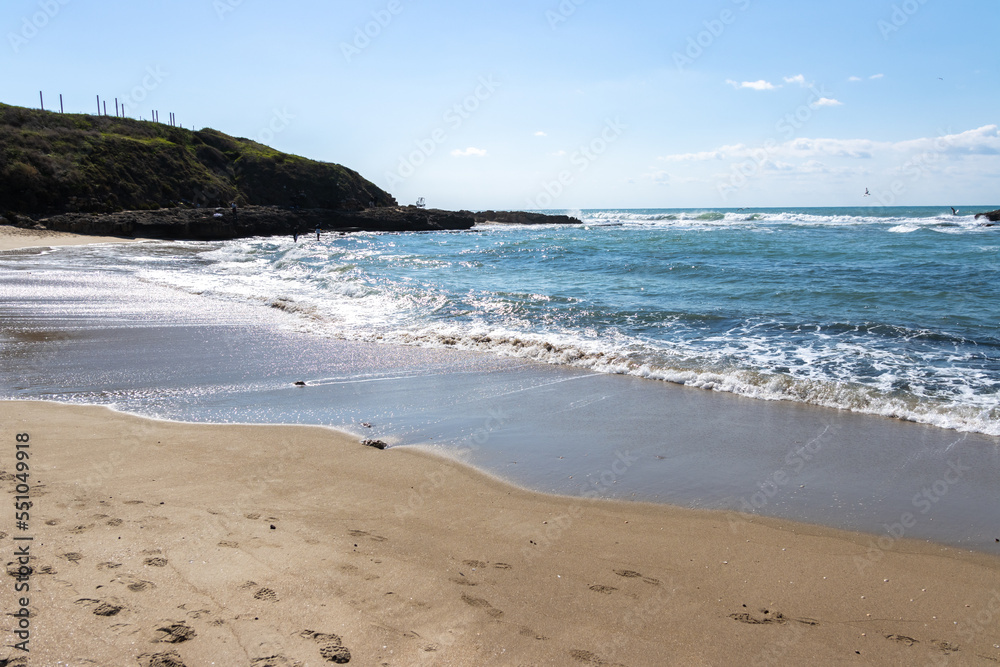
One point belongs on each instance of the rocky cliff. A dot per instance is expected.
(53, 163)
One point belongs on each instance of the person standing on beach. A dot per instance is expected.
(235, 214)
(317, 233)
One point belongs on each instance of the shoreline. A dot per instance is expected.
(19, 238)
(297, 539)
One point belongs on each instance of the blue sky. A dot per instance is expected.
(549, 104)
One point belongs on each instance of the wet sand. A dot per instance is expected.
(167, 543)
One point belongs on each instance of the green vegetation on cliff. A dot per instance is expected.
(56, 163)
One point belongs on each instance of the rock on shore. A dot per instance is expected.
(220, 224)
(209, 224)
(523, 218)
(992, 216)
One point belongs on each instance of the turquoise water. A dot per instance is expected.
(888, 311)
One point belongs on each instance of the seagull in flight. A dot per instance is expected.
(954, 211)
(867, 194)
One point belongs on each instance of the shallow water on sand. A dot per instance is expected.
(102, 337)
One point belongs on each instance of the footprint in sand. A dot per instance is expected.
(266, 594)
(632, 574)
(275, 661)
(52, 522)
(140, 586)
(115, 522)
(503, 566)
(528, 632)
(947, 647)
(591, 658)
(364, 533)
(331, 647)
(14, 569)
(76, 530)
(229, 544)
(476, 564)
(480, 603)
(108, 565)
(767, 618)
(462, 581)
(171, 659)
(133, 502)
(628, 574)
(72, 556)
(175, 633)
(101, 607)
(253, 516)
(107, 609)
(155, 562)
(607, 590)
(902, 639)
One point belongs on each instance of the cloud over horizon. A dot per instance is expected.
(471, 151)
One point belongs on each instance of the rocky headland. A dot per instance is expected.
(111, 176)
(210, 224)
(523, 218)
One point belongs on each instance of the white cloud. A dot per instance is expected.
(854, 78)
(693, 157)
(982, 141)
(826, 102)
(658, 177)
(541, 134)
(798, 78)
(753, 85)
(778, 166)
(861, 149)
(471, 151)
(877, 76)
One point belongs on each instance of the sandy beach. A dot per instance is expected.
(15, 238)
(160, 543)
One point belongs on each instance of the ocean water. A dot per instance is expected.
(680, 356)
(884, 311)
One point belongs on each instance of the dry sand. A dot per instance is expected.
(161, 543)
(15, 238)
